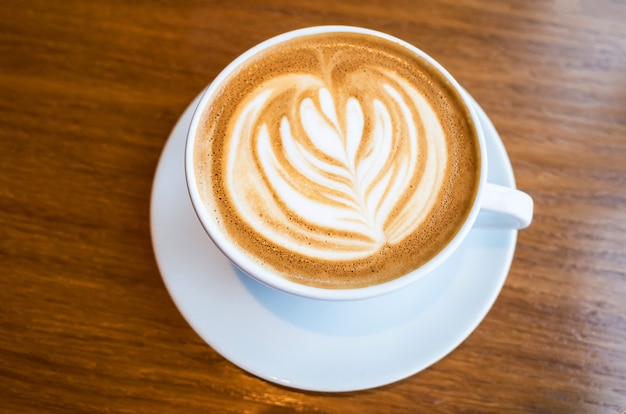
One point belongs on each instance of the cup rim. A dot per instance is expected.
(247, 264)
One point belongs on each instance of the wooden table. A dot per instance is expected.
(89, 92)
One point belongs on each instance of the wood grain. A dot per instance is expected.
(89, 93)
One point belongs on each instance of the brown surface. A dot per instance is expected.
(88, 94)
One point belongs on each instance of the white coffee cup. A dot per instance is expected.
(508, 208)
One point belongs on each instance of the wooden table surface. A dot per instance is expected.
(89, 92)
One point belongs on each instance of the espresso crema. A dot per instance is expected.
(338, 160)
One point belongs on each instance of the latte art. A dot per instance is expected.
(337, 176)
(337, 160)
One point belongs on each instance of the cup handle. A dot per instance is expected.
(504, 208)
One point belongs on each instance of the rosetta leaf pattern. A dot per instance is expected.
(336, 176)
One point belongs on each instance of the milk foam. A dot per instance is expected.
(337, 160)
(341, 173)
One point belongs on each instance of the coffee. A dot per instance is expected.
(338, 160)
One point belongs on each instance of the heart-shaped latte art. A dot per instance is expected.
(342, 170)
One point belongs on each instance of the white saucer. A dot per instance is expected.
(317, 345)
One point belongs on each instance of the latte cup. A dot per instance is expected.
(506, 207)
